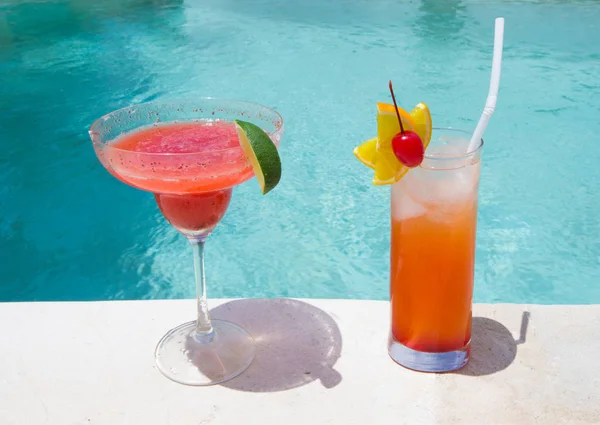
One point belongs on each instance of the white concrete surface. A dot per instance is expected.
(319, 362)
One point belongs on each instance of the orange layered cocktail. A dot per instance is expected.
(434, 217)
(433, 224)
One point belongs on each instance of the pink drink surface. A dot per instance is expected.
(180, 158)
(190, 167)
(192, 137)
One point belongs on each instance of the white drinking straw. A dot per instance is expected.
(490, 103)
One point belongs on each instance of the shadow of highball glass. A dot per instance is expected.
(493, 347)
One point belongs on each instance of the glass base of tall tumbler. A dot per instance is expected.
(191, 359)
(428, 362)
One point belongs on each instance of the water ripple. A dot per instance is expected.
(69, 231)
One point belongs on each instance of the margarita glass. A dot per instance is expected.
(188, 154)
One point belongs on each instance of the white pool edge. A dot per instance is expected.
(319, 361)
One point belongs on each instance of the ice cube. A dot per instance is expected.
(444, 190)
(403, 205)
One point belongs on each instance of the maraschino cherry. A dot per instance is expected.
(407, 145)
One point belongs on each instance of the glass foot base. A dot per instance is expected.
(191, 359)
(428, 362)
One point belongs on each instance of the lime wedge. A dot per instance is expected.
(262, 153)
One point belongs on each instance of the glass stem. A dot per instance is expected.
(204, 329)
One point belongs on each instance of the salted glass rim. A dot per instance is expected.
(94, 134)
(455, 157)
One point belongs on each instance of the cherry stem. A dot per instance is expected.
(396, 108)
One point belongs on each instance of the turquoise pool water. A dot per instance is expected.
(69, 231)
